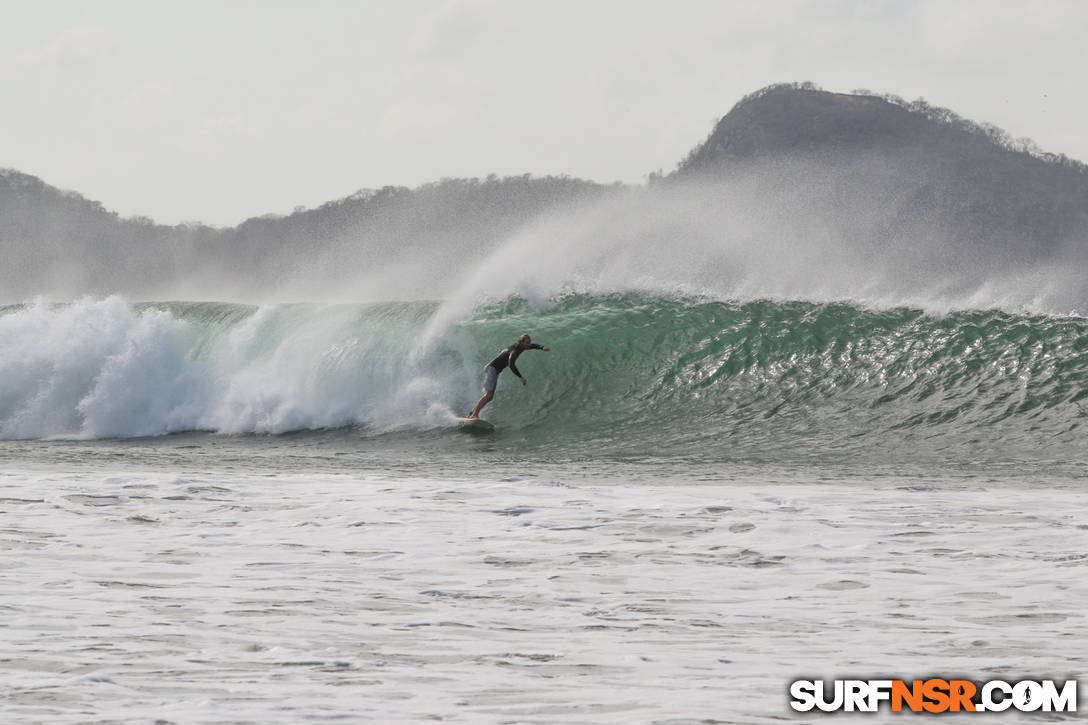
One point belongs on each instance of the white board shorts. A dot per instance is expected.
(491, 378)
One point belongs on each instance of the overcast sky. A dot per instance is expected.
(218, 111)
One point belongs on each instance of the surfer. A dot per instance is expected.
(496, 366)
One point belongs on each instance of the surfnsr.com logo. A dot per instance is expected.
(933, 695)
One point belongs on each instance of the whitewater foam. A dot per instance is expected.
(103, 368)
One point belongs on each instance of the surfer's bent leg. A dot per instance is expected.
(491, 377)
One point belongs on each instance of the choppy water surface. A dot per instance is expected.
(217, 597)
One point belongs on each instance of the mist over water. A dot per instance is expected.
(787, 230)
(864, 230)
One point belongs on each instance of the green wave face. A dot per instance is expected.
(631, 376)
(716, 381)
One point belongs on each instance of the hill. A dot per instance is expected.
(61, 244)
(972, 180)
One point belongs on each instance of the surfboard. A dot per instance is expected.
(474, 425)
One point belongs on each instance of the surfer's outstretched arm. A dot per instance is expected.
(517, 350)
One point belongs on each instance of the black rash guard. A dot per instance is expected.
(508, 356)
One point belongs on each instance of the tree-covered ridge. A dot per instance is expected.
(859, 116)
(55, 240)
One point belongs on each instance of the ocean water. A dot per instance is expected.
(224, 513)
